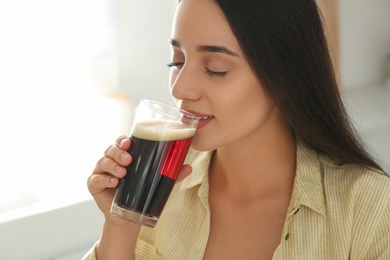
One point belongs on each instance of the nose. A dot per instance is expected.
(183, 84)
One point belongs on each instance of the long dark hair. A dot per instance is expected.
(285, 44)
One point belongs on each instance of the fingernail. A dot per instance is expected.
(112, 180)
(125, 157)
(119, 169)
(122, 142)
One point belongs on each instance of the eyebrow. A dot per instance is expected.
(208, 48)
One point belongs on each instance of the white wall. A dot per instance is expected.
(364, 47)
(143, 31)
(364, 41)
(55, 231)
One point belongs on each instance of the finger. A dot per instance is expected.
(123, 142)
(118, 155)
(108, 165)
(184, 172)
(98, 182)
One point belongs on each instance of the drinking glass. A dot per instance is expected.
(161, 135)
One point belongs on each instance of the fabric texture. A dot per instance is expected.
(336, 212)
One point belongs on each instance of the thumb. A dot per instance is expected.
(185, 170)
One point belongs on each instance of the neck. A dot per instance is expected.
(260, 165)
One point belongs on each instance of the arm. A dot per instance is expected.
(119, 236)
(117, 241)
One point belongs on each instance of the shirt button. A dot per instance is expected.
(287, 236)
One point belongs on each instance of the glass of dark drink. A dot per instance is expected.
(160, 138)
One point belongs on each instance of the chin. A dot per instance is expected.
(202, 145)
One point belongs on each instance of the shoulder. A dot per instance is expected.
(364, 192)
(341, 187)
(361, 179)
(357, 202)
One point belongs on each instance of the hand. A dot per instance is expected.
(105, 177)
(108, 170)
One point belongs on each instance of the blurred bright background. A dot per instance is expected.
(55, 120)
(71, 73)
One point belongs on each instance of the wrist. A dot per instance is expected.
(120, 224)
(118, 240)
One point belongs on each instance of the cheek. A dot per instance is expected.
(248, 107)
(246, 99)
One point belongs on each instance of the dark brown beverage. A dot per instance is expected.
(158, 150)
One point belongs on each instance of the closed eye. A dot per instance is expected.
(216, 73)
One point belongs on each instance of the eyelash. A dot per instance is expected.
(174, 64)
(216, 73)
(209, 72)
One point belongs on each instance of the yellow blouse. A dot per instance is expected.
(336, 212)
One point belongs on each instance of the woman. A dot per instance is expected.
(279, 173)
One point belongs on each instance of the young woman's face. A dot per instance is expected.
(211, 77)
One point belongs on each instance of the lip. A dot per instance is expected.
(204, 118)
